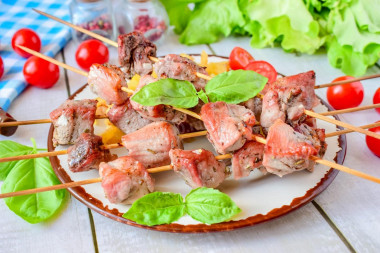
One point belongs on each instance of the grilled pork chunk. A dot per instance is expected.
(288, 97)
(181, 68)
(229, 126)
(126, 118)
(248, 158)
(106, 81)
(134, 52)
(198, 168)
(125, 180)
(151, 144)
(288, 150)
(71, 119)
(254, 104)
(158, 112)
(86, 154)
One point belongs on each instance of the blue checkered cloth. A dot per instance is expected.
(17, 14)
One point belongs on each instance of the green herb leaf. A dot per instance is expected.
(30, 174)
(202, 95)
(11, 148)
(157, 208)
(235, 86)
(210, 205)
(167, 91)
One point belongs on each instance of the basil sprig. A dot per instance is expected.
(202, 204)
(232, 87)
(29, 174)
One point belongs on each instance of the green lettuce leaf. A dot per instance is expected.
(211, 20)
(157, 208)
(287, 22)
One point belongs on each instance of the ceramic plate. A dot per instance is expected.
(260, 197)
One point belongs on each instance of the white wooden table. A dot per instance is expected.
(344, 218)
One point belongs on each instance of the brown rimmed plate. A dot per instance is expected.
(261, 198)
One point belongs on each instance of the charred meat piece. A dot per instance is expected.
(248, 158)
(288, 150)
(198, 168)
(315, 135)
(151, 144)
(288, 97)
(181, 68)
(134, 52)
(254, 104)
(125, 180)
(71, 119)
(126, 118)
(229, 126)
(192, 124)
(106, 81)
(86, 154)
(158, 112)
(6, 117)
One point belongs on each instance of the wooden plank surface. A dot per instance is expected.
(351, 203)
(70, 231)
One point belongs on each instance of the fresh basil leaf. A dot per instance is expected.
(156, 208)
(210, 206)
(11, 148)
(167, 91)
(235, 86)
(202, 96)
(30, 174)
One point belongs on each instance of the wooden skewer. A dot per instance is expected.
(347, 81)
(63, 152)
(52, 60)
(342, 124)
(113, 43)
(87, 181)
(355, 109)
(104, 39)
(37, 121)
(350, 131)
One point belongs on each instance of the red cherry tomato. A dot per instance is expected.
(376, 99)
(90, 52)
(263, 68)
(345, 95)
(27, 38)
(1, 67)
(239, 58)
(40, 73)
(373, 143)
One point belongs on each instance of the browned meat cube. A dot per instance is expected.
(151, 144)
(248, 158)
(288, 150)
(71, 119)
(106, 81)
(229, 126)
(125, 180)
(126, 118)
(254, 104)
(6, 117)
(134, 52)
(181, 68)
(158, 112)
(86, 154)
(192, 124)
(198, 168)
(288, 97)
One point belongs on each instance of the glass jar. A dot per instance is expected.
(146, 16)
(92, 15)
